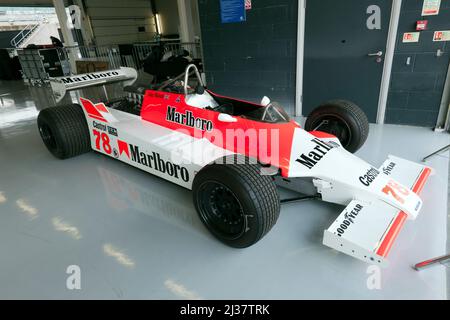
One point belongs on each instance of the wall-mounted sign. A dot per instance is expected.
(248, 4)
(421, 25)
(431, 7)
(232, 11)
(409, 37)
(443, 35)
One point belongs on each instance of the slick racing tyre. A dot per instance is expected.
(343, 119)
(64, 131)
(236, 203)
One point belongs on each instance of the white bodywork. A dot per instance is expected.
(61, 85)
(339, 176)
(173, 148)
(201, 100)
(370, 225)
(377, 200)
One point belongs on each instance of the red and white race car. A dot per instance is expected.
(232, 154)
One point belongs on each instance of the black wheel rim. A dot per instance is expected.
(47, 136)
(221, 210)
(336, 126)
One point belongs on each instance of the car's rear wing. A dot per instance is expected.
(367, 231)
(61, 85)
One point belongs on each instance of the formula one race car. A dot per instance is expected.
(232, 154)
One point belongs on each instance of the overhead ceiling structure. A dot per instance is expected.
(26, 3)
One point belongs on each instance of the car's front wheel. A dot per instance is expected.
(343, 119)
(236, 203)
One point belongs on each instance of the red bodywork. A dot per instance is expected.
(273, 140)
(277, 136)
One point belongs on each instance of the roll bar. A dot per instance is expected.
(186, 77)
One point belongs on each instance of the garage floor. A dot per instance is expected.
(134, 235)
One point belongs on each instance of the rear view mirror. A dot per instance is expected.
(265, 101)
(224, 117)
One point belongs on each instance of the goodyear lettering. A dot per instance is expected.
(310, 159)
(369, 177)
(155, 161)
(349, 219)
(188, 119)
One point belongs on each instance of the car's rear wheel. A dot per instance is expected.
(343, 119)
(64, 131)
(236, 203)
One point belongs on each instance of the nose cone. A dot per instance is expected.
(346, 176)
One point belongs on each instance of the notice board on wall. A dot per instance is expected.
(232, 11)
(431, 7)
(443, 35)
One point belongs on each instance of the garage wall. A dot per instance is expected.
(6, 36)
(253, 58)
(118, 21)
(416, 89)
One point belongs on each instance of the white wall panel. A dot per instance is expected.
(117, 21)
(113, 31)
(106, 23)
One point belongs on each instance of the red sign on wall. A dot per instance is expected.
(411, 37)
(421, 25)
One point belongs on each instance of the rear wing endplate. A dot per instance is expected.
(61, 85)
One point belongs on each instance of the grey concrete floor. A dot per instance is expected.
(447, 262)
(133, 235)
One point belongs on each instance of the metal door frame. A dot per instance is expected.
(443, 119)
(300, 58)
(388, 59)
(387, 66)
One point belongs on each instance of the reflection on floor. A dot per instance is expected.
(133, 235)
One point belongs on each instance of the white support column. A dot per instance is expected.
(186, 23)
(62, 18)
(86, 28)
(60, 10)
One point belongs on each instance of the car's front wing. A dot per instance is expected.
(367, 231)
